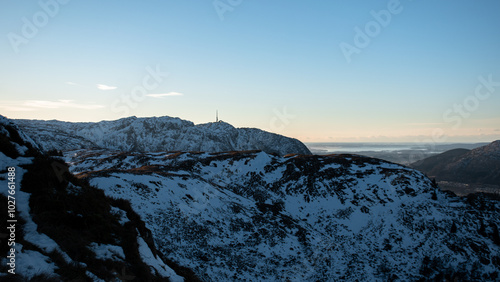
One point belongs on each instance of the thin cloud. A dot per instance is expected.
(16, 108)
(33, 105)
(72, 83)
(105, 87)
(161, 95)
(425, 123)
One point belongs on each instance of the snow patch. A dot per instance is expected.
(30, 263)
(104, 251)
(121, 213)
(155, 262)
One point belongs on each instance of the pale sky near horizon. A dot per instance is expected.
(324, 71)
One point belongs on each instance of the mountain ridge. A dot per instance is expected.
(254, 216)
(157, 134)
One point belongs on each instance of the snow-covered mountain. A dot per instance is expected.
(56, 228)
(237, 216)
(157, 134)
(252, 216)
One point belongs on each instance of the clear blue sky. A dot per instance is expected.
(276, 65)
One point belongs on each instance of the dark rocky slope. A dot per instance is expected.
(477, 166)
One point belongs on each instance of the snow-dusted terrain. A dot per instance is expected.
(252, 216)
(157, 134)
(38, 255)
(241, 216)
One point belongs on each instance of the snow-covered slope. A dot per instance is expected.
(60, 229)
(157, 134)
(258, 217)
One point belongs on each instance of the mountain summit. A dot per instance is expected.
(157, 134)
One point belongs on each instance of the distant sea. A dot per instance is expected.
(327, 148)
(403, 153)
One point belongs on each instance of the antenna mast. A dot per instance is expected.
(216, 115)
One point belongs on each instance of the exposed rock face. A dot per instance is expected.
(157, 134)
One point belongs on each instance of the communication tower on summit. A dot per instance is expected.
(216, 115)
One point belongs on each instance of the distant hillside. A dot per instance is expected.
(477, 166)
(157, 134)
(439, 162)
